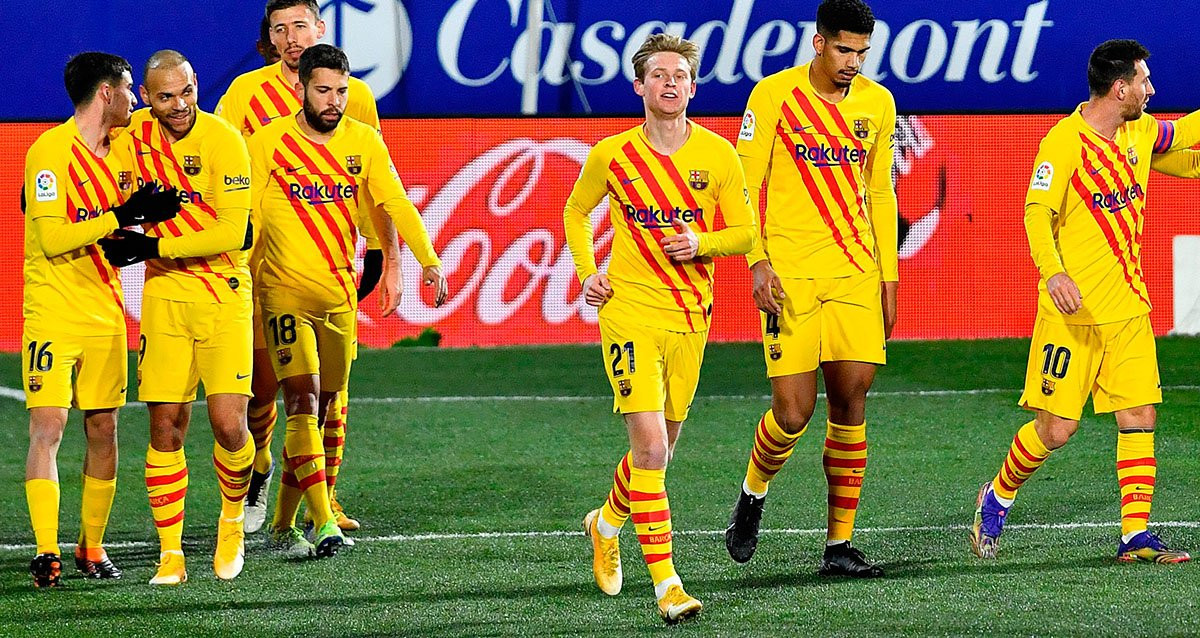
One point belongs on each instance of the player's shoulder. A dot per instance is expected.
(215, 126)
(1065, 133)
(711, 139)
(357, 130)
(272, 132)
(608, 146)
(360, 88)
(53, 140)
(250, 80)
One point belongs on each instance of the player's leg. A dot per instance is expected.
(261, 417)
(335, 424)
(337, 347)
(167, 486)
(100, 388)
(792, 347)
(1061, 369)
(1128, 384)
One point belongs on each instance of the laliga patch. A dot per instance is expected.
(45, 186)
(1042, 177)
(748, 125)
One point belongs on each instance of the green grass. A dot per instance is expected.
(470, 467)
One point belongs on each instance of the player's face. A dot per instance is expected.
(325, 99)
(1136, 93)
(841, 57)
(292, 31)
(171, 95)
(667, 86)
(119, 100)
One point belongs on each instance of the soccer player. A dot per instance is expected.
(825, 277)
(310, 173)
(74, 317)
(253, 100)
(1084, 216)
(196, 306)
(665, 180)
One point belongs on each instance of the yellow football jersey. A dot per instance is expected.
(211, 169)
(69, 286)
(305, 199)
(646, 192)
(1085, 212)
(831, 205)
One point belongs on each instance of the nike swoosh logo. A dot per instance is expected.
(85, 181)
(290, 169)
(145, 152)
(243, 376)
(123, 390)
(856, 471)
(629, 180)
(800, 129)
(1093, 171)
(655, 529)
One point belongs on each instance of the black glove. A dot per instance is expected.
(128, 247)
(372, 270)
(249, 241)
(148, 205)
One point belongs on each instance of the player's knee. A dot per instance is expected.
(651, 456)
(793, 419)
(1055, 432)
(101, 428)
(45, 436)
(1142, 417)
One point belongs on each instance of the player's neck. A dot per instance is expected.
(1103, 116)
(667, 135)
(291, 75)
(310, 132)
(823, 84)
(93, 128)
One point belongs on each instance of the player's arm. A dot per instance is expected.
(733, 200)
(590, 188)
(1047, 192)
(231, 200)
(1175, 135)
(1185, 163)
(881, 195)
(382, 256)
(754, 144)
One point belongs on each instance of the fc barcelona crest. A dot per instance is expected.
(625, 387)
(775, 351)
(698, 179)
(354, 164)
(860, 129)
(1047, 387)
(35, 382)
(124, 180)
(1131, 153)
(285, 356)
(191, 164)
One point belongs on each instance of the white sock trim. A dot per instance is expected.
(1006, 502)
(1125, 538)
(660, 589)
(747, 490)
(606, 529)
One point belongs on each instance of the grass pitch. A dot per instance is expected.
(471, 504)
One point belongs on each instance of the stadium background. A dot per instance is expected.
(490, 166)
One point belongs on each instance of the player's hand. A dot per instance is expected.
(887, 295)
(392, 287)
(432, 276)
(128, 247)
(597, 290)
(683, 245)
(768, 290)
(149, 204)
(1064, 293)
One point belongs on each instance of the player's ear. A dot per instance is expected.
(144, 93)
(639, 87)
(818, 43)
(299, 89)
(320, 28)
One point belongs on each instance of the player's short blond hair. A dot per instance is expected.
(664, 43)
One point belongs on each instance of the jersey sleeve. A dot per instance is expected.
(230, 109)
(231, 200)
(1184, 163)
(741, 232)
(588, 191)
(881, 195)
(46, 207)
(364, 106)
(754, 145)
(1045, 199)
(388, 192)
(1175, 135)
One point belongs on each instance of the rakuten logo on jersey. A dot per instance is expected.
(658, 218)
(732, 51)
(1117, 200)
(824, 155)
(322, 193)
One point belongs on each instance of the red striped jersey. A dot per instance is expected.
(646, 191)
(305, 199)
(1096, 188)
(831, 206)
(256, 98)
(76, 292)
(211, 169)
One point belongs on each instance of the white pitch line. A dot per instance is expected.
(409, 538)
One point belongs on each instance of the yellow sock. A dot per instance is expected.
(1136, 471)
(42, 497)
(233, 476)
(615, 510)
(335, 438)
(772, 447)
(306, 459)
(287, 501)
(1026, 454)
(651, 513)
(166, 484)
(845, 461)
(262, 427)
(97, 504)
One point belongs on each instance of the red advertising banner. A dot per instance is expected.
(492, 191)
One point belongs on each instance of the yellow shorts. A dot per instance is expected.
(651, 370)
(100, 366)
(825, 320)
(1115, 362)
(186, 342)
(302, 342)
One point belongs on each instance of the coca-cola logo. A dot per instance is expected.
(495, 275)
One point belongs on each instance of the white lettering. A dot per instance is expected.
(758, 47)
(1031, 28)
(935, 52)
(554, 65)
(964, 43)
(450, 37)
(599, 52)
(639, 35)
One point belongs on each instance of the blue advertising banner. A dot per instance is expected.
(438, 57)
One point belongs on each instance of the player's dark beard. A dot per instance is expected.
(314, 119)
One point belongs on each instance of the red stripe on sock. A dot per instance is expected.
(651, 517)
(170, 521)
(1137, 480)
(845, 447)
(1137, 497)
(654, 558)
(160, 500)
(311, 480)
(844, 502)
(1142, 515)
(1148, 462)
(833, 461)
(166, 479)
(853, 480)
(289, 480)
(646, 496)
